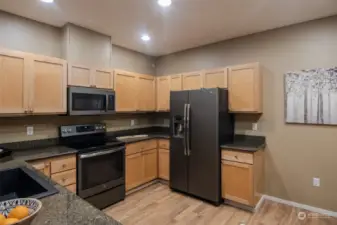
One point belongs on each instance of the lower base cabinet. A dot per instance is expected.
(164, 164)
(133, 170)
(242, 177)
(62, 170)
(150, 160)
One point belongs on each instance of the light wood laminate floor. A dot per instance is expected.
(158, 205)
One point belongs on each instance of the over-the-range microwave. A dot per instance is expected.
(90, 101)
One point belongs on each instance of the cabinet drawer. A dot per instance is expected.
(236, 156)
(165, 144)
(140, 146)
(63, 164)
(72, 188)
(65, 178)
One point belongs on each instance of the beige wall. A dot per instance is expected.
(295, 153)
(129, 60)
(27, 35)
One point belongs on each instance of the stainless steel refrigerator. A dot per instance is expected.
(199, 123)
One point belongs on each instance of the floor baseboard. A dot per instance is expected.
(301, 206)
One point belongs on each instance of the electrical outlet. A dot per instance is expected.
(133, 122)
(316, 182)
(255, 126)
(30, 131)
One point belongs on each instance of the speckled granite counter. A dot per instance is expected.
(246, 143)
(150, 136)
(42, 153)
(65, 207)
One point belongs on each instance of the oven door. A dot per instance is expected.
(88, 101)
(100, 171)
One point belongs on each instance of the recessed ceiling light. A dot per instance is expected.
(145, 37)
(47, 1)
(164, 3)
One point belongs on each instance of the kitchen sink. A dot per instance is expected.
(22, 182)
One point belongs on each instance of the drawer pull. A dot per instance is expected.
(64, 180)
(64, 166)
(236, 157)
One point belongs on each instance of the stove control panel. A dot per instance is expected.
(75, 130)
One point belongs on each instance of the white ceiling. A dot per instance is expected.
(185, 24)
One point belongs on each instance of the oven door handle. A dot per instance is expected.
(91, 155)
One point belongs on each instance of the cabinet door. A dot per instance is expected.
(192, 81)
(176, 83)
(133, 171)
(13, 82)
(79, 76)
(163, 93)
(216, 78)
(237, 182)
(103, 79)
(126, 91)
(150, 161)
(49, 86)
(245, 88)
(43, 167)
(164, 164)
(146, 93)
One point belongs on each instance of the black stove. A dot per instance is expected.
(100, 163)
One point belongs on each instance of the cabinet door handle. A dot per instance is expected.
(64, 166)
(236, 157)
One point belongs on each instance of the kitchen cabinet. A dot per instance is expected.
(245, 88)
(48, 87)
(126, 91)
(163, 93)
(176, 82)
(146, 93)
(242, 177)
(215, 78)
(141, 163)
(150, 161)
(60, 169)
(14, 82)
(32, 84)
(90, 77)
(164, 164)
(192, 81)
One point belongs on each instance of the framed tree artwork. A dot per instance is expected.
(311, 96)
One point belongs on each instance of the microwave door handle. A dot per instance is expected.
(106, 103)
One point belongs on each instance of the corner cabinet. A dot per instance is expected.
(242, 179)
(90, 77)
(245, 88)
(32, 84)
(163, 93)
(146, 86)
(215, 78)
(126, 91)
(192, 81)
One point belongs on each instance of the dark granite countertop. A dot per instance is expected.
(150, 136)
(65, 207)
(246, 143)
(42, 153)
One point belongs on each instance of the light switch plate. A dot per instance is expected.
(30, 131)
(255, 126)
(316, 182)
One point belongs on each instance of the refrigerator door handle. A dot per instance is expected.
(188, 110)
(185, 118)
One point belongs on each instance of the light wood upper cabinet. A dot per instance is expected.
(192, 81)
(13, 82)
(103, 79)
(215, 78)
(49, 85)
(146, 85)
(245, 88)
(150, 163)
(79, 75)
(163, 93)
(126, 89)
(176, 82)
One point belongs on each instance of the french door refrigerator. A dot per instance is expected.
(200, 122)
